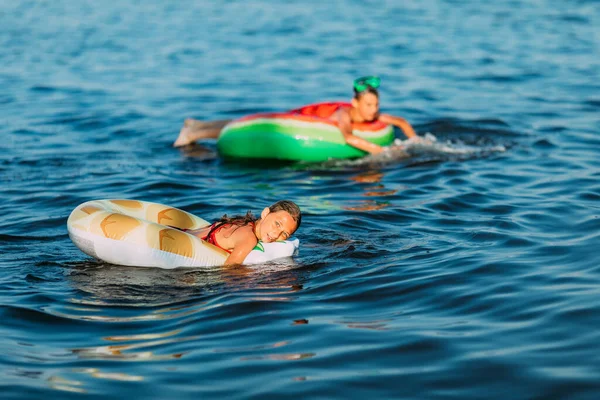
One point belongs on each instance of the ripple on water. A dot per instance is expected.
(464, 267)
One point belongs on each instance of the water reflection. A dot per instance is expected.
(64, 384)
(377, 325)
(105, 284)
(369, 205)
(67, 385)
(129, 295)
(373, 188)
(198, 152)
(276, 284)
(115, 376)
(128, 352)
(109, 285)
(278, 356)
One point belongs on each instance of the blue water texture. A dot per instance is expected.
(468, 269)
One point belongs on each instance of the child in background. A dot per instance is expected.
(363, 108)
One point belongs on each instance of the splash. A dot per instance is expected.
(426, 148)
(429, 145)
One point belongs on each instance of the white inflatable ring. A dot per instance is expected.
(143, 234)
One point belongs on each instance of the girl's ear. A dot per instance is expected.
(264, 213)
(354, 102)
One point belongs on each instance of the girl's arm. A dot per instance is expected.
(244, 240)
(345, 124)
(401, 123)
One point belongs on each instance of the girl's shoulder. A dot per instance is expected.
(231, 229)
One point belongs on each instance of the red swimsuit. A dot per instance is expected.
(211, 236)
(321, 110)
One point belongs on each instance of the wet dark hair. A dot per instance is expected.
(368, 89)
(291, 208)
(241, 220)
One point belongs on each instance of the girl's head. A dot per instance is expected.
(278, 222)
(366, 97)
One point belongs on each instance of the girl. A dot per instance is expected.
(364, 108)
(238, 235)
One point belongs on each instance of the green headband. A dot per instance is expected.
(361, 84)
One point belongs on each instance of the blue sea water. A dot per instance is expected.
(469, 270)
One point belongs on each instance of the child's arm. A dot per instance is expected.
(345, 125)
(244, 240)
(401, 123)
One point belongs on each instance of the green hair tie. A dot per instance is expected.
(361, 84)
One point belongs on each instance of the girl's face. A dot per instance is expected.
(368, 106)
(274, 226)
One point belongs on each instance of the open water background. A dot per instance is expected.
(448, 275)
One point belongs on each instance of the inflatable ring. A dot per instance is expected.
(144, 234)
(294, 136)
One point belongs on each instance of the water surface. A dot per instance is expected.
(468, 270)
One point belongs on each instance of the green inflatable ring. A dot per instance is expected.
(295, 137)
